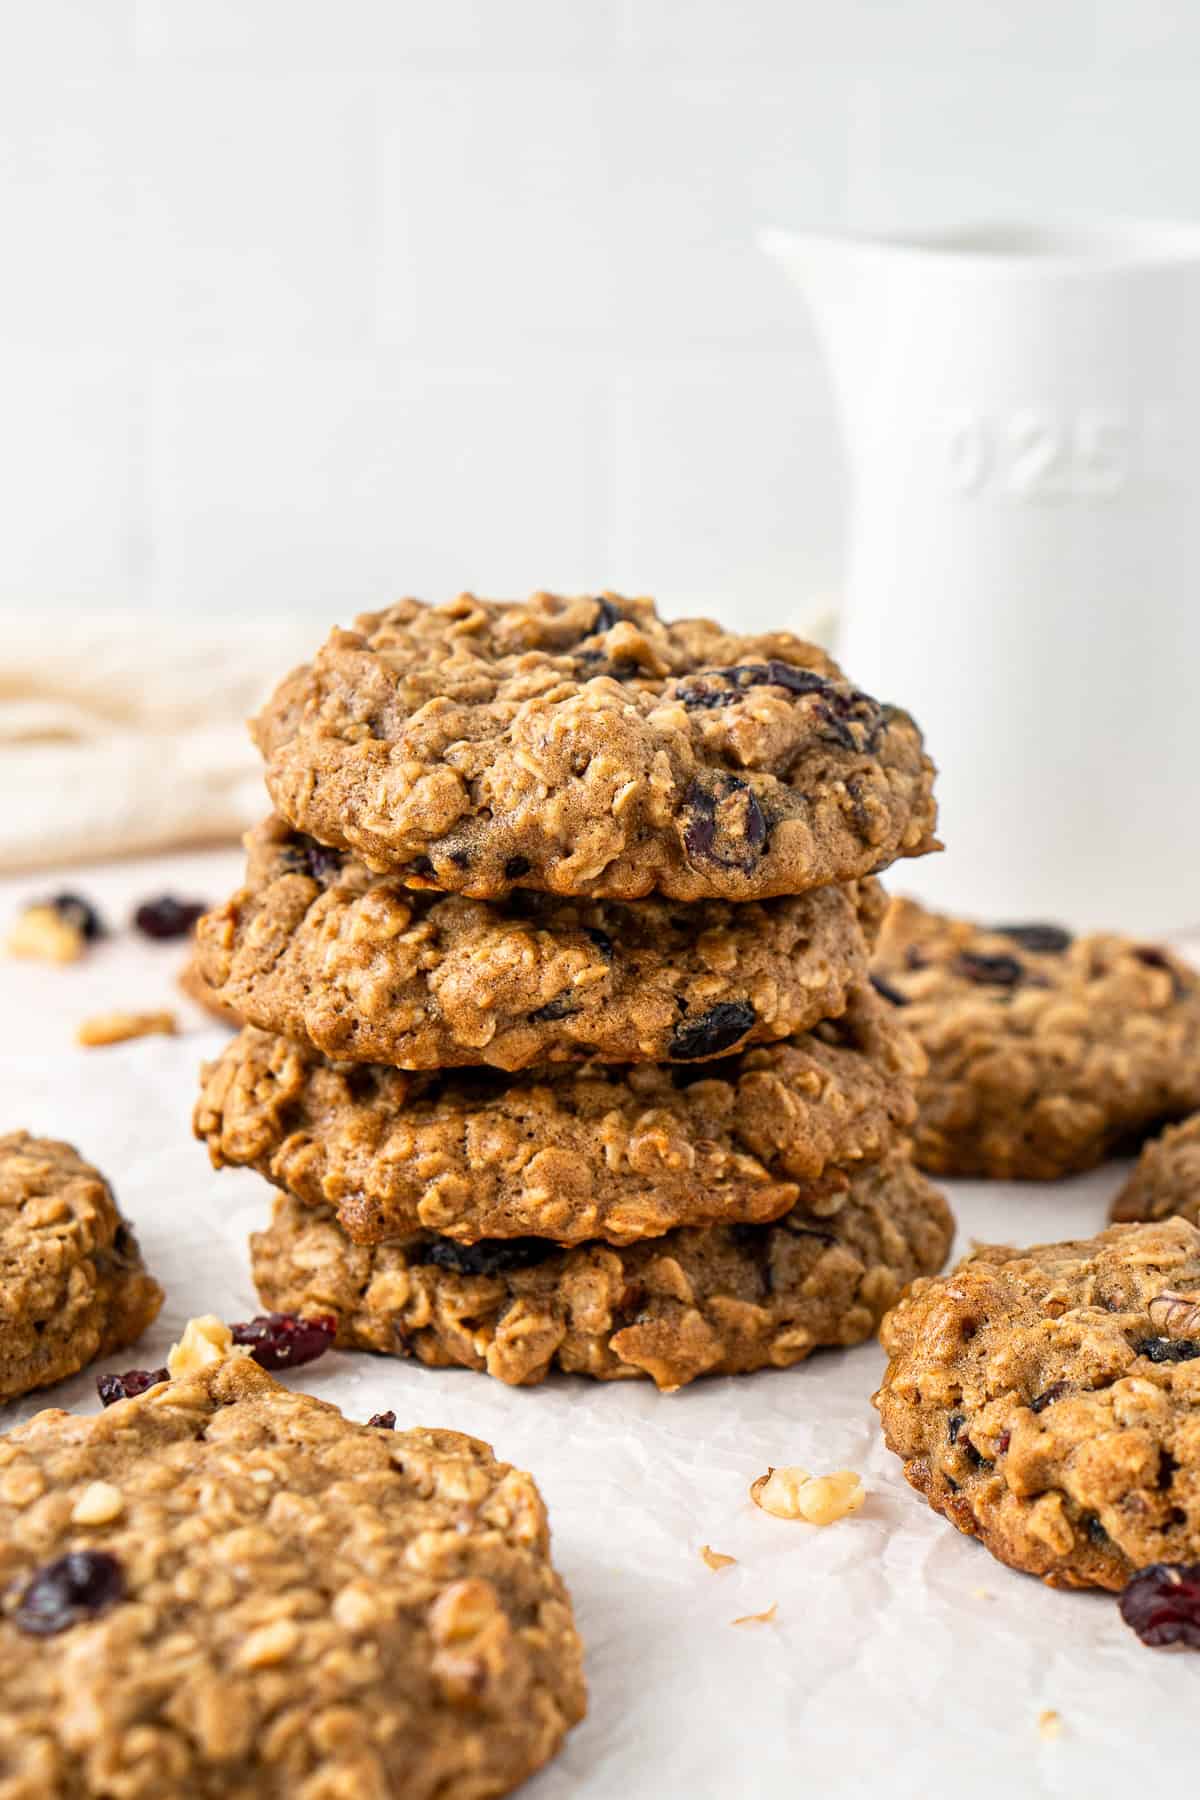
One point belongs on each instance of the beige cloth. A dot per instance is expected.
(125, 731)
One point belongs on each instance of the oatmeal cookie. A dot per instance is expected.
(198, 988)
(1165, 1180)
(587, 747)
(720, 1301)
(316, 947)
(571, 1152)
(1046, 1052)
(224, 1589)
(72, 1282)
(1044, 1402)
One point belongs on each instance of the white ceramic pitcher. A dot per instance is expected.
(1021, 409)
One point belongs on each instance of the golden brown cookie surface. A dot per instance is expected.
(316, 947)
(587, 747)
(224, 1589)
(567, 1152)
(1045, 1401)
(721, 1300)
(72, 1282)
(1045, 1051)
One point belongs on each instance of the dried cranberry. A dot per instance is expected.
(558, 1008)
(699, 694)
(167, 917)
(891, 994)
(1162, 1604)
(75, 1587)
(515, 867)
(724, 824)
(713, 1032)
(490, 1256)
(1054, 1392)
(285, 1340)
(607, 615)
(1154, 958)
(385, 1421)
(112, 1388)
(991, 971)
(1045, 940)
(78, 913)
(302, 855)
(1166, 1350)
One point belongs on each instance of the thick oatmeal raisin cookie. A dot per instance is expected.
(316, 947)
(570, 1152)
(585, 746)
(72, 1282)
(719, 1301)
(225, 1590)
(1046, 1052)
(1039, 1401)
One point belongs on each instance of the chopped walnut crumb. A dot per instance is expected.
(205, 1340)
(118, 1027)
(1049, 1725)
(762, 1618)
(99, 1504)
(793, 1493)
(716, 1559)
(43, 933)
(1175, 1315)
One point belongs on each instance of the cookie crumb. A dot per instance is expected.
(762, 1618)
(1049, 1725)
(44, 935)
(793, 1493)
(715, 1559)
(981, 1593)
(119, 1027)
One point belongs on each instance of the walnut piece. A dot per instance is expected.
(205, 1340)
(716, 1559)
(793, 1493)
(1175, 1315)
(42, 933)
(118, 1027)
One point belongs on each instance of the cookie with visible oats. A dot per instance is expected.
(569, 1152)
(224, 1588)
(588, 747)
(1046, 1052)
(1047, 1401)
(1165, 1180)
(314, 946)
(72, 1282)
(716, 1301)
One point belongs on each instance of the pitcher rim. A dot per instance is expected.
(1076, 242)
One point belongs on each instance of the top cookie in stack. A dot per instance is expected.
(627, 863)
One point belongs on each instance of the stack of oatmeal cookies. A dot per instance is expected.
(560, 1040)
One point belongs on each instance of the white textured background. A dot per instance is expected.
(303, 302)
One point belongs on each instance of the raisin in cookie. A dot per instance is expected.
(316, 947)
(720, 1301)
(1045, 1052)
(1165, 1181)
(588, 747)
(569, 1152)
(1048, 1401)
(222, 1588)
(72, 1282)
